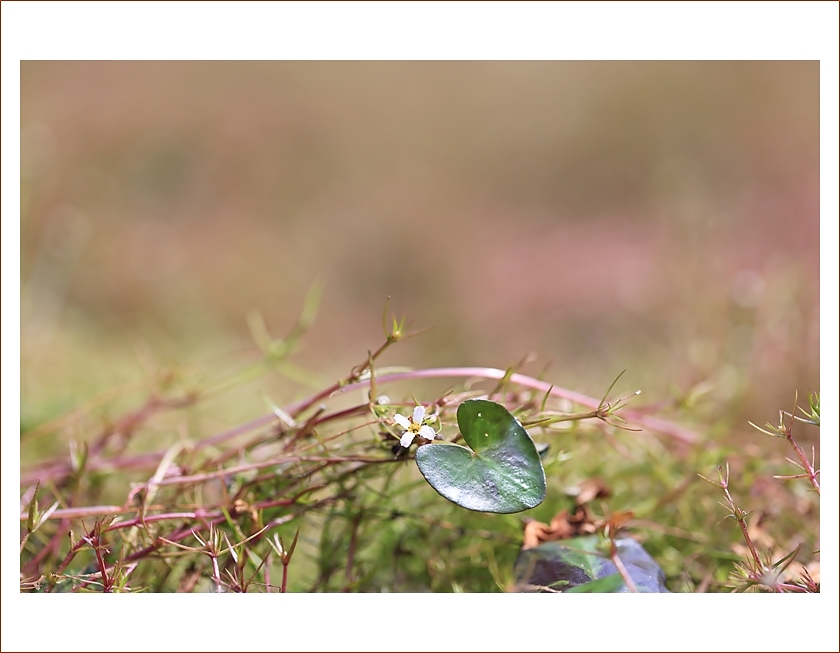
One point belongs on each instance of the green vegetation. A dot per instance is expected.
(557, 222)
(321, 495)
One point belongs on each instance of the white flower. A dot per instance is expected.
(415, 426)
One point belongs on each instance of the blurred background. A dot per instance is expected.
(658, 217)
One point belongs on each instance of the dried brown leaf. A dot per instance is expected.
(563, 526)
(591, 488)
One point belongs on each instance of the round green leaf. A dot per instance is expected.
(502, 471)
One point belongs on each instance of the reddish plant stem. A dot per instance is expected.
(51, 547)
(185, 531)
(619, 564)
(263, 478)
(69, 557)
(197, 478)
(806, 464)
(739, 517)
(93, 511)
(59, 470)
(351, 551)
(306, 429)
(128, 424)
(94, 539)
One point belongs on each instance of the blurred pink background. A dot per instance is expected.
(659, 217)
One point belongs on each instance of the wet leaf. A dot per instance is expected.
(561, 566)
(501, 472)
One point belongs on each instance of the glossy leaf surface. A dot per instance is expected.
(501, 470)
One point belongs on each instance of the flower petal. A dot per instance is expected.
(427, 432)
(418, 415)
(406, 439)
(402, 421)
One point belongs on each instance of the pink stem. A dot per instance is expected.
(653, 423)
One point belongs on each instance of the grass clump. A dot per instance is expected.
(319, 495)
